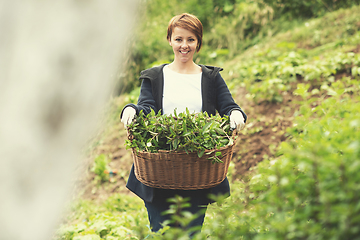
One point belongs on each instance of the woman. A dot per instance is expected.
(179, 85)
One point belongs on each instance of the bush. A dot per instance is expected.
(311, 191)
(308, 8)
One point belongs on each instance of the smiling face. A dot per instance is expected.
(184, 44)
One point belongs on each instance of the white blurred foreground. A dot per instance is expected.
(58, 61)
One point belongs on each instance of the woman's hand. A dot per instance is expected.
(128, 115)
(237, 120)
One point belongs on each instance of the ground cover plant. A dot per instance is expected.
(311, 190)
(117, 217)
(304, 186)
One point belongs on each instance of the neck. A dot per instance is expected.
(185, 68)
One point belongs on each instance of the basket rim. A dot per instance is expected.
(184, 152)
(233, 136)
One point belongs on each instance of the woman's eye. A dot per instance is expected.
(191, 40)
(178, 39)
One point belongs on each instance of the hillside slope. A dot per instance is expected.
(295, 166)
(262, 81)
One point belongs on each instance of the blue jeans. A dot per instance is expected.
(198, 201)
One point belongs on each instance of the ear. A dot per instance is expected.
(169, 40)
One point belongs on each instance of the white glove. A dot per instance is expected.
(128, 115)
(237, 120)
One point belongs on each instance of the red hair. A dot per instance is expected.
(188, 22)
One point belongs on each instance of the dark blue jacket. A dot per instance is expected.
(215, 97)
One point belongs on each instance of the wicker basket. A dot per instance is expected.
(179, 170)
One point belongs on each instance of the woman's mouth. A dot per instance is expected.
(184, 52)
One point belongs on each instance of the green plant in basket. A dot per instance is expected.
(183, 132)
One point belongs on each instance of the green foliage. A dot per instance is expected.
(187, 132)
(310, 189)
(308, 8)
(118, 217)
(237, 30)
(99, 166)
(180, 218)
(268, 79)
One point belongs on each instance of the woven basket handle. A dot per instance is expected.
(234, 132)
(129, 135)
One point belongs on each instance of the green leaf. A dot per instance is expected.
(206, 127)
(201, 153)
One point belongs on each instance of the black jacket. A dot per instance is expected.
(215, 97)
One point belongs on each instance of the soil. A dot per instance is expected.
(266, 129)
